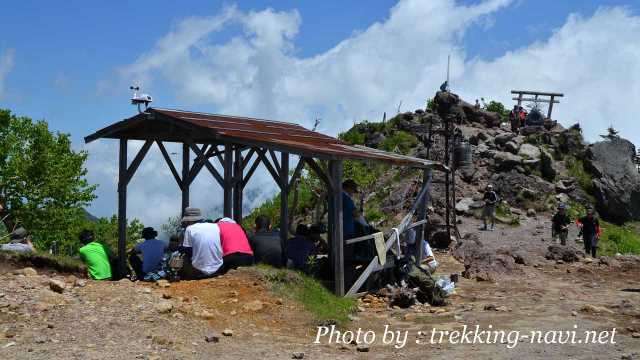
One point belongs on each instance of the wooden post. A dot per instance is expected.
(550, 107)
(122, 209)
(422, 215)
(238, 172)
(185, 177)
(284, 199)
(336, 235)
(519, 99)
(228, 180)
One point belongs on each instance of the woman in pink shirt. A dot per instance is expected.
(236, 250)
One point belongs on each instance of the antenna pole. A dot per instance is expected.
(448, 64)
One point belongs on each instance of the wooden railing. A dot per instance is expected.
(392, 237)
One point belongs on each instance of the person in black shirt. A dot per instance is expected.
(560, 224)
(490, 202)
(266, 243)
(590, 227)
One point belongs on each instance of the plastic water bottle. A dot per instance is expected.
(446, 285)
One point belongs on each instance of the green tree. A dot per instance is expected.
(42, 183)
(498, 107)
(106, 230)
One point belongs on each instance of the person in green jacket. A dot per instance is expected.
(95, 256)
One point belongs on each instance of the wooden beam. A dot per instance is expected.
(253, 168)
(227, 181)
(137, 160)
(536, 100)
(207, 164)
(199, 162)
(336, 227)
(318, 170)
(238, 187)
(186, 181)
(122, 209)
(274, 158)
(169, 162)
(284, 201)
(529, 92)
(267, 164)
(247, 158)
(422, 215)
(296, 172)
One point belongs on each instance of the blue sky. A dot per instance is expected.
(71, 62)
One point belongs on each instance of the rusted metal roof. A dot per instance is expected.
(179, 126)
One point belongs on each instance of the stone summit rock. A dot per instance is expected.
(615, 178)
(506, 160)
(529, 151)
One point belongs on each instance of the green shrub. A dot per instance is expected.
(352, 137)
(38, 259)
(576, 169)
(399, 140)
(498, 107)
(623, 239)
(323, 305)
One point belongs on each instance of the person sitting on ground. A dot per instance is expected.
(95, 255)
(299, 248)
(20, 241)
(171, 263)
(236, 250)
(490, 202)
(152, 251)
(266, 243)
(590, 228)
(560, 224)
(201, 244)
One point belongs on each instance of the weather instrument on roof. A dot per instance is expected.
(139, 99)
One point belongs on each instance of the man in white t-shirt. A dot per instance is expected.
(202, 241)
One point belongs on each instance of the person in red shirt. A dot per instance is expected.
(236, 250)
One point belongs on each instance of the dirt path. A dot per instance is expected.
(124, 320)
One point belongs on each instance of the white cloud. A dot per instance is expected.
(6, 64)
(593, 60)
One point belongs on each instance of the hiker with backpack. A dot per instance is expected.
(590, 228)
(491, 200)
(560, 224)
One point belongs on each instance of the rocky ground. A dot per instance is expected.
(45, 315)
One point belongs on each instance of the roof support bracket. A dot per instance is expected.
(296, 173)
(320, 172)
(202, 158)
(137, 160)
(270, 168)
(169, 162)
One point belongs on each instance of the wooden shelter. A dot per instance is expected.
(241, 144)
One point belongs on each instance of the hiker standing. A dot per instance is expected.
(560, 224)
(590, 227)
(490, 201)
(514, 119)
